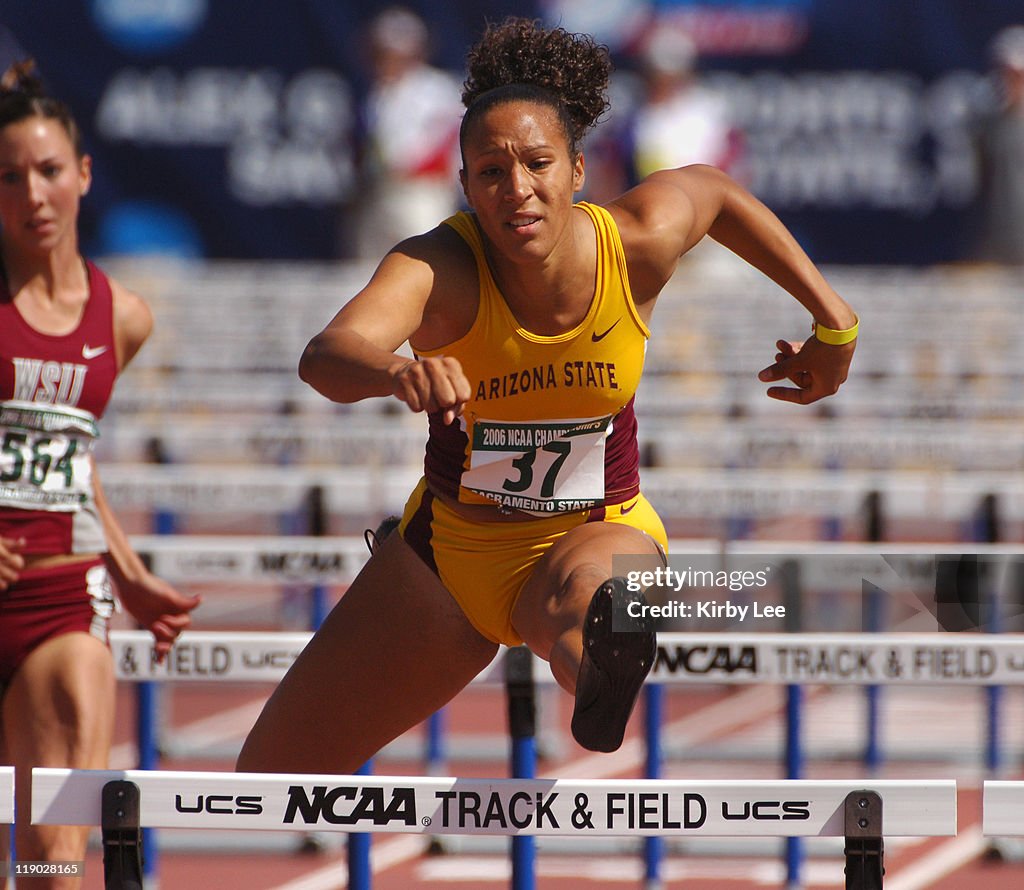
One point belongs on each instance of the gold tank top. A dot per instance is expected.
(550, 426)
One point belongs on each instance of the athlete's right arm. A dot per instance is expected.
(355, 356)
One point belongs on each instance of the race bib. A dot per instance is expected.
(44, 456)
(542, 467)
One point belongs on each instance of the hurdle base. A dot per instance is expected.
(864, 848)
(122, 836)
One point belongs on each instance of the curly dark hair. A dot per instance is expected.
(520, 59)
(22, 95)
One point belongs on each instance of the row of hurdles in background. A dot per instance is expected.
(874, 660)
(982, 596)
(860, 811)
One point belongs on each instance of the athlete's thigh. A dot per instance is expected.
(395, 649)
(58, 711)
(559, 590)
(59, 705)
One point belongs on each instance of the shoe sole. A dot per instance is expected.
(616, 663)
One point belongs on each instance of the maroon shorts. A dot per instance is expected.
(45, 603)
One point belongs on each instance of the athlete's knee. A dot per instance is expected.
(578, 586)
(563, 609)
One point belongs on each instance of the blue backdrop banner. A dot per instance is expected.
(233, 129)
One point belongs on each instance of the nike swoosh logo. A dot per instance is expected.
(90, 352)
(596, 337)
(629, 509)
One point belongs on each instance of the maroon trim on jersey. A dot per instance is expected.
(444, 456)
(87, 356)
(419, 532)
(622, 458)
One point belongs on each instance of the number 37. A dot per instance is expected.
(524, 465)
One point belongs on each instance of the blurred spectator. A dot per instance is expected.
(661, 117)
(678, 121)
(1000, 146)
(410, 162)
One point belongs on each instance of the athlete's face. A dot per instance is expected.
(520, 178)
(42, 181)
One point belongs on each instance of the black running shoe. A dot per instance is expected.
(614, 666)
(374, 538)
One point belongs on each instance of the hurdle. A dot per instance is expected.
(867, 660)
(693, 659)
(316, 560)
(963, 659)
(6, 795)
(1002, 809)
(6, 808)
(123, 802)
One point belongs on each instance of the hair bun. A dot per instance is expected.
(574, 67)
(21, 77)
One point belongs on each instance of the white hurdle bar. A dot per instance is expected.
(418, 805)
(966, 659)
(1003, 809)
(6, 795)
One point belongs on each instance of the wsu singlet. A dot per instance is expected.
(53, 390)
(550, 427)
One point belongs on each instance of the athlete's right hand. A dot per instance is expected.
(431, 384)
(11, 560)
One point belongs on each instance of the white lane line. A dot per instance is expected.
(722, 716)
(459, 870)
(383, 855)
(939, 862)
(220, 727)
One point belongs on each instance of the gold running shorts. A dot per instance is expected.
(485, 565)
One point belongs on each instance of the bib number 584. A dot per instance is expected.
(31, 461)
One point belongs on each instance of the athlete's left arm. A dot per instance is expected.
(154, 603)
(673, 210)
(133, 323)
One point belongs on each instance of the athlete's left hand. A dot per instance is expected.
(158, 607)
(817, 369)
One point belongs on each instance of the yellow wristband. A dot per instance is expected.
(835, 338)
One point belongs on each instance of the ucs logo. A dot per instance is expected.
(220, 804)
(767, 809)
